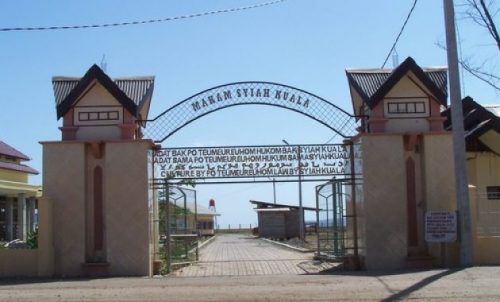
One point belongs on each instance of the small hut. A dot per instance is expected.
(279, 221)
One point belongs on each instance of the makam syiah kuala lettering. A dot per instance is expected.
(264, 95)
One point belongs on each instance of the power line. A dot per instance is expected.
(400, 32)
(228, 10)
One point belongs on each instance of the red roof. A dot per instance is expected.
(11, 151)
(17, 167)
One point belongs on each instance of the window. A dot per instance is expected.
(420, 107)
(98, 116)
(493, 192)
(93, 116)
(113, 115)
(406, 107)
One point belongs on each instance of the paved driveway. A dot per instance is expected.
(240, 255)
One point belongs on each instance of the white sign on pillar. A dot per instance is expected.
(441, 226)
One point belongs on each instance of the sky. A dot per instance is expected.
(303, 43)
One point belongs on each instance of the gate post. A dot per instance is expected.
(96, 176)
(353, 196)
(167, 224)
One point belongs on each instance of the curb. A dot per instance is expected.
(202, 244)
(206, 242)
(297, 249)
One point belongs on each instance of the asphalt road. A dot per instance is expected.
(471, 284)
(236, 268)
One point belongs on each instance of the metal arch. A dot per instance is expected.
(250, 93)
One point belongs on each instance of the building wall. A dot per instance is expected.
(484, 170)
(127, 208)
(10, 175)
(439, 176)
(97, 100)
(37, 262)
(356, 225)
(486, 250)
(96, 96)
(408, 86)
(64, 183)
(292, 224)
(18, 263)
(407, 125)
(207, 220)
(105, 132)
(485, 247)
(272, 224)
(406, 91)
(383, 212)
(68, 183)
(491, 139)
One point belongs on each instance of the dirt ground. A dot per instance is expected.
(471, 284)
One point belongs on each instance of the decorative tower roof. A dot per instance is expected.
(134, 93)
(373, 84)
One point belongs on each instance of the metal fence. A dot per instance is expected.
(331, 219)
(179, 233)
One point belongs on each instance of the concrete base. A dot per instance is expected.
(95, 269)
(419, 262)
(157, 267)
(352, 262)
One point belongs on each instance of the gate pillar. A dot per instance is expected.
(407, 159)
(396, 195)
(97, 177)
(101, 222)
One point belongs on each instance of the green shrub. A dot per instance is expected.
(32, 240)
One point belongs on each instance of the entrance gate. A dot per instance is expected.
(98, 176)
(251, 93)
(255, 164)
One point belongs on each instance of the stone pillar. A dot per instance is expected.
(21, 216)
(31, 214)
(9, 218)
(27, 218)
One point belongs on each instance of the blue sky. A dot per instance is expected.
(303, 43)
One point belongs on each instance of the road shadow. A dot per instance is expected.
(340, 270)
(396, 295)
(402, 294)
(39, 280)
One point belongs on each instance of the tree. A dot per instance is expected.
(479, 12)
(483, 14)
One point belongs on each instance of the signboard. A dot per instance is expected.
(251, 93)
(441, 226)
(252, 161)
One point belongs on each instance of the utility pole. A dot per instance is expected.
(274, 190)
(461, 183)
